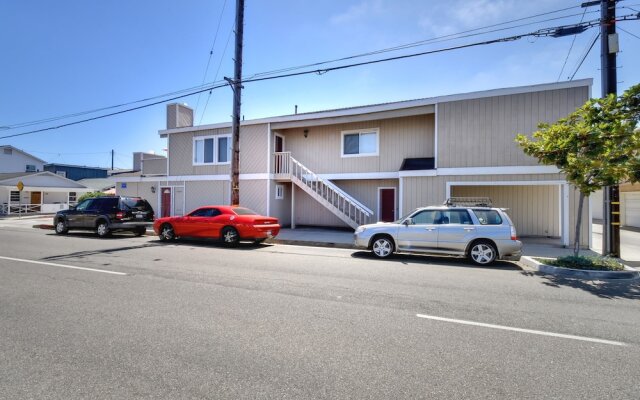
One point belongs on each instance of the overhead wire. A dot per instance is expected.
(453, 36)
(206, 104)
(538, 33)
(215, 38)
(571, 47)
(584, 57)
(627, 32)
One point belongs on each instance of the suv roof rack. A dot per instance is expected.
(468, 201)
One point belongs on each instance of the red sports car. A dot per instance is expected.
(230, 224)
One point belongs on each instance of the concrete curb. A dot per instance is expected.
(628, 273)
(311, 243)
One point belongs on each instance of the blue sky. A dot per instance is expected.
(70, 56)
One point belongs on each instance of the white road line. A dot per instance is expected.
(508, 328)
(104, 271)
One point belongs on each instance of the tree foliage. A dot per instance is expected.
(90, 195)
(597, 145)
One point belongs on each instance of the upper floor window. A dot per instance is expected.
(30, 168)
(212, 149)
(62, 173)
(7, 150)
(360, 143)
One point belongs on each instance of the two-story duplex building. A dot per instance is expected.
(357, 165)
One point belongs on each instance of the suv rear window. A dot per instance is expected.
(136, 203)
(488, 217)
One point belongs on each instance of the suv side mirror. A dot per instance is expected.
(407, 222)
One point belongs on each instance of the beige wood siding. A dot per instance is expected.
(399, 138)
(253, 149)
(281, 208)
(534, 210)
(366, 192)
(481, 132)
(309, 212)
(253, 195)
(423, 191)
(154, 166)
(205, 193)
(253, 152)
(181, 154)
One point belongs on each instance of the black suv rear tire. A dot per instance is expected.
(102, 229)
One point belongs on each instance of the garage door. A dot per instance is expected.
(534, 209)
(631, 209)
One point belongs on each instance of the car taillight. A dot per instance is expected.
(513, 233)
(119, 215)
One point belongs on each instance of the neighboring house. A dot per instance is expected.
(42, 192)
(345, 167)
(15, 160)
(76, 172)
(106, 185)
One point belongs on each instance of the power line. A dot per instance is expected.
(595, 39)
(215, 38)
(538, 33)
(627, 32)
(438, 39)
(216, 76)
(571, 47)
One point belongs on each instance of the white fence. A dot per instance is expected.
(15, 209)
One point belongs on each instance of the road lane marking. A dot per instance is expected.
(104, 271)
(509, 328)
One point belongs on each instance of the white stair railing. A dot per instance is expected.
(331, 196)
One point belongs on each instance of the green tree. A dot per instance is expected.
(90, 195)
(597, 145)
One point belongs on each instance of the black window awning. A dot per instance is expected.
(414, 164)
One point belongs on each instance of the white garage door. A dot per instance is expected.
(631, 209)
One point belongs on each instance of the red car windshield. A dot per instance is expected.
(243, 211)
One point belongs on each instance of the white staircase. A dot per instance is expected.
(334, 199)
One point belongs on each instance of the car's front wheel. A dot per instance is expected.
(102, 229)
(167, 233)
(382, 246)
(61, 227)
(483, 253)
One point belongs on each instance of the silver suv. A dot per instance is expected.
(483, 234)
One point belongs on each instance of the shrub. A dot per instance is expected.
(585, 262)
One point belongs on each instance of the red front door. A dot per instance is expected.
(166, 202)
(387, 205)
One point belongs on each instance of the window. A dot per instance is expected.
(73, 197)
(212, 149)
(279, 192)
(455, 217)
(30, 168)
(15, 196)
(62, 173)
(360, 143)
(84, 204)
(488, 217)
(7, 150)
(205, 212)
(426, 217)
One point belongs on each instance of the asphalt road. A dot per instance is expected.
(196, 320)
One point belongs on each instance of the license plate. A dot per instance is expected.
(139, 216)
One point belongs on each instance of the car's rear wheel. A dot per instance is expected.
(102, 229)
(167, 233)
(483, 253)
(140, 231)
(382, 246)
(61, 227)
(230, 236)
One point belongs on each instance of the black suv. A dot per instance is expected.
(105, 215)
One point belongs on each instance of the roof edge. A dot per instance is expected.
(370, 109)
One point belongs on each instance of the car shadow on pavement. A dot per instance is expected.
(606, 289)
(212, 243)
(94, 236)
(458, 262)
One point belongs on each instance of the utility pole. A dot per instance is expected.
(608, 50)
(112, 153)
(236, 86)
